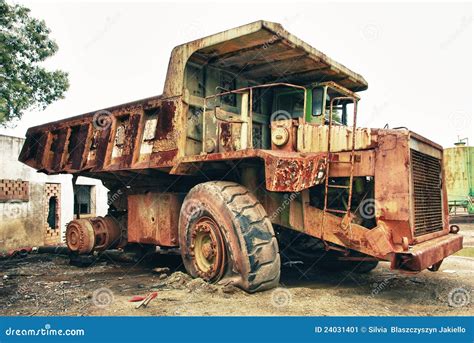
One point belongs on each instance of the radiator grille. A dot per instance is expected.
(426, 173)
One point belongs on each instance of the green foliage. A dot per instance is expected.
(24, 44)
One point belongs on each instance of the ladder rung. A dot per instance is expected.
(340, 162)
(339, 186)
(334, 210)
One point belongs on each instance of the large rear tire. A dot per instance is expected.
(225, 235)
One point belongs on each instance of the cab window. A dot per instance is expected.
(317, 101)
(291, 101)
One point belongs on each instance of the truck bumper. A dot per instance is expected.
(427, 254)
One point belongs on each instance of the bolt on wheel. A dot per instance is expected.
(207, 249)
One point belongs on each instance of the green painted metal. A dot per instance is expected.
(309, 118)
(459, 176)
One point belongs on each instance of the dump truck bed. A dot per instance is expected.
(91, 142)
(150, 133)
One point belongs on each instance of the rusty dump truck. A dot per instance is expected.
(252, 157)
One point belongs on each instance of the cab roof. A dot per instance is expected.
(262, 52)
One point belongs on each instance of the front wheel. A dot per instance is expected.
(225, 234)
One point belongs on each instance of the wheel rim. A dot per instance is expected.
(207, 249)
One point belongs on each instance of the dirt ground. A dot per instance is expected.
(47, 285)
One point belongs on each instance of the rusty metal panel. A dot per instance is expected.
(103, 139)
(392, 182)
(91, 147)
(375, 242)
(76, 147)
(32, 152)
(427, 254)
(166, 131)
(364, 164)
(293, 174)
(314, 138)
(132, 134)
(229, 136)
(87, 142)
(163, 158)
(58, 147)
(153, 218)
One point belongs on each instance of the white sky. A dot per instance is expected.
(417, 58)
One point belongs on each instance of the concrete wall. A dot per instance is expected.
(23, 223)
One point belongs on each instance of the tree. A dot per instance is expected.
(24, 44)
